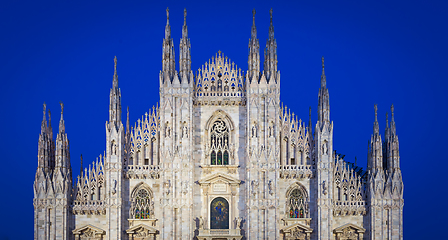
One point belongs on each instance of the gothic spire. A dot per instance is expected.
(254, 53)
(392, 122)
(323, 78)
(309, 126)
(168, 58)
(184, 28)
(127, 122)
(167, 27)
(324, 98)
(115, 99)
(62, 148)
(387, 130)
(254, 28)
(80, 173)
(376, 128)
(43, 128)
(375, 145)
(61, 122)
(184, 52)
(270, 53)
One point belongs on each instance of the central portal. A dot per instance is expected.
(219, 214)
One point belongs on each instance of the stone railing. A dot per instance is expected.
(348, 208)
(142, 172)
(297, 171)
(89, 207)
(229, 234)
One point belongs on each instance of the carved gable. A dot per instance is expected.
(349, 232)
(297, 231)
(141, 232)
(88, 232)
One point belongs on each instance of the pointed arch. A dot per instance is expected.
(142, 202)
(297, 200)
(219, 114)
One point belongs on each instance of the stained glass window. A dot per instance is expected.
(141, 205)
(219, 214)
(219, 143)
(296, 204)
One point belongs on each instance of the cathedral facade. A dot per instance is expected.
(220, 157)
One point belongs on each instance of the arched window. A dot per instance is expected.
(142, 206)
(219, 143)
(219, 214)
(297, 204)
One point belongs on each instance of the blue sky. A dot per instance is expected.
(376, 52)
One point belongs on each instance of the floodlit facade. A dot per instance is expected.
(219, 157)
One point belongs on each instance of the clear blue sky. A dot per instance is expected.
(379, 52)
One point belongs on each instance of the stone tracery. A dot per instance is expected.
(142, 203)
(219, 143)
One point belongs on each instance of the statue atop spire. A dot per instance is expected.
(167, 16)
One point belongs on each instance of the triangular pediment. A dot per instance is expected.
(301, 226)
(219, 177)
(90, 228)
(349, 225)
(141, 227)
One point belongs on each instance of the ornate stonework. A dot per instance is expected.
(219, 157)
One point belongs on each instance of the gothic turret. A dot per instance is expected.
(253, 72)
(115, 100)
(323, 115)
(168, 59)
(324, 156)
(376, 179)
(62, 172)
(392, 160)
(115, 142)
(270, 55)
(45, 164)
(184, 54)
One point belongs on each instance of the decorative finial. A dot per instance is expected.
(81, 167)
(167, 16)
(270, 12)
(115, 65)
(392, 110)
(323, 65)
(253, 13)
(185, 16)
(376, 113)
(62, 107)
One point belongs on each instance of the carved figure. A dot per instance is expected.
(115, 187)
(201, 222)
(184, 132)
(238, 222)
(270, 187)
